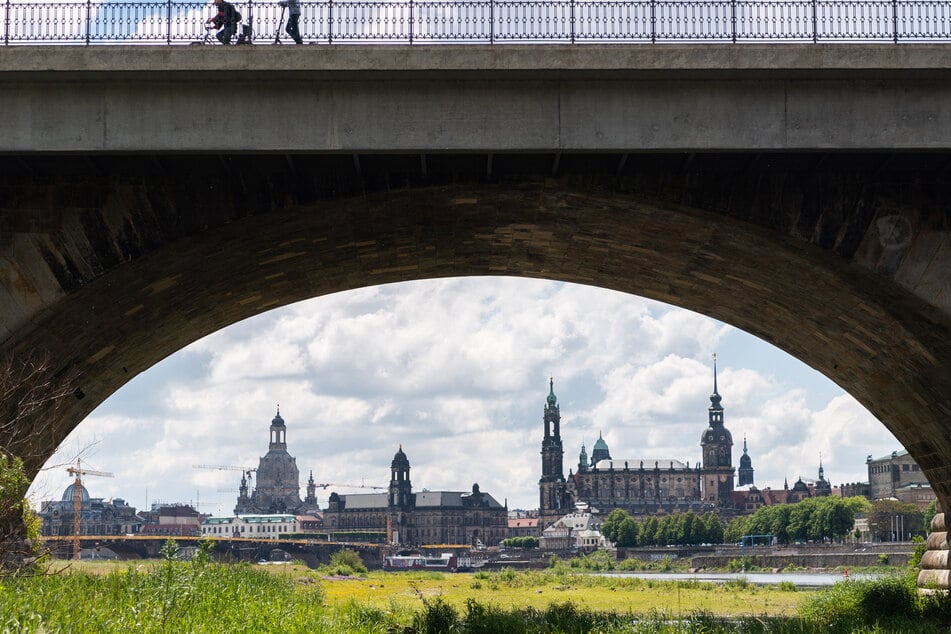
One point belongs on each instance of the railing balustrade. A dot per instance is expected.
(489, 21)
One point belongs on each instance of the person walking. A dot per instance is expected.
(293, 19)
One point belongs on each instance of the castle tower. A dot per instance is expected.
(551, 486)
(717, 444)
(745, 472)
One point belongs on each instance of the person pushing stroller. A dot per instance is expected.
(226, 19)
(293, 19)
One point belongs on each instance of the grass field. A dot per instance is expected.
(539, 590)
(200, 596)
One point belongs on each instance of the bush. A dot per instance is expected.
(347, 562)
(850, 605)
(437, 617)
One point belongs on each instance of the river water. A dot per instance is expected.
(801, 579)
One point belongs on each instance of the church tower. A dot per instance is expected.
(745, 472)
(551, 486)
(717, 444)
(401, 490)
(823, 486)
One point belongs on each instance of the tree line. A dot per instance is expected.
(813, 519)
(679, 528)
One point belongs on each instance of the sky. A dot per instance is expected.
(457, 372)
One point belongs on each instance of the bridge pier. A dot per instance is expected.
(935, 569)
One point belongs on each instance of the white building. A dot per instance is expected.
(250, 526)
(577, 530)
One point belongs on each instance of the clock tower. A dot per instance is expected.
(717, 444)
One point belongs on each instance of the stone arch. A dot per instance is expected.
(110, 274)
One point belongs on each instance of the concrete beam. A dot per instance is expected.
(475, 98)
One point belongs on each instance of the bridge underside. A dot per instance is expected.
(112, 262)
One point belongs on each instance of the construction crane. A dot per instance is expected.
(78, 472)
(247, 471)
(324, 485)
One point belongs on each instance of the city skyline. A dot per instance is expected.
(457, 372)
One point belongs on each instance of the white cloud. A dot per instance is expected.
(457, 371)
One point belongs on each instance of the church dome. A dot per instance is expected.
(400, 460)
(71, 491)
(277, 421)
(745, 461)
(552, 399)
(600, 451)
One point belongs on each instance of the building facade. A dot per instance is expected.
(269, 526)
(641, 486)
(888, 474)
(278, 480)
(403, 517)
(97, 516)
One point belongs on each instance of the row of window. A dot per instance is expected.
(886, 468)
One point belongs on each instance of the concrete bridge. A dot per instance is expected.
(150, 196)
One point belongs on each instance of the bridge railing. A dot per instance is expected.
(489, 21)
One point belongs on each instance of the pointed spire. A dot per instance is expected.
(715, 397)
(744, 449)
(552, 399)
(714, 372)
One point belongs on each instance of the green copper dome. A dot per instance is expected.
(552, 399)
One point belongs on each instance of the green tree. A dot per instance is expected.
(891, 520)
(627, 533)
(735, 530)
(30, 395)
(929, 514)
(612, 524)
(648, 534)
(713, 526)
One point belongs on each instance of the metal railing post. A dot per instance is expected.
(815, 21)
(653, 21)
(572, 21)
(6, 24)
(411, 22)
(895, 20)
(330, 22)
(733, 18)
(491, 21)
(168, 22)
(88, 20)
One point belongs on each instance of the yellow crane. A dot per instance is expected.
(78, 472)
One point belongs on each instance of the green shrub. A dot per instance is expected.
(787, 586)
(851, 605)
(349, 559)
(436, 617)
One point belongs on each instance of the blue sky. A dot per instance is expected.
(457, 371)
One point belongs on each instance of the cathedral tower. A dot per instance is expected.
(745, 472)
(717, 444)
(551, 486)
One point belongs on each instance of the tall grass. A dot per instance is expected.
(200, 596)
